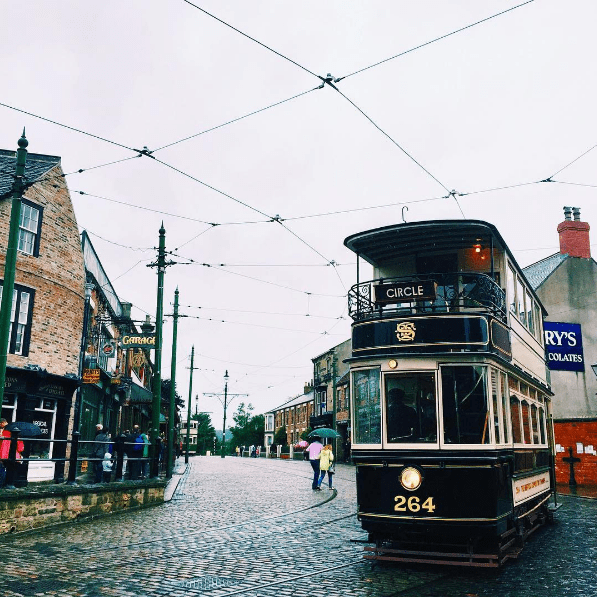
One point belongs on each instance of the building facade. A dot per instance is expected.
(293, 415)
(47, 310)
(566, 283)
(328, 369)
(116, 389)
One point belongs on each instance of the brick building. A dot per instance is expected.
(119, 394)
(566, 283)
(329, 369)
(294, 415)
(47, 309)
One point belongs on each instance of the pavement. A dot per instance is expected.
(254, 528)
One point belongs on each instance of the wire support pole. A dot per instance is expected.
(157, 372)
(188, 440)
(172, 404)
(11, 258)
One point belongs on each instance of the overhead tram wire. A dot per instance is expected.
(70, 128)
(251, 38)
(263, 312)
(434, 40)
(582, 155)
(219, 126)
(193, 262)
(257, 325)
(452, 193)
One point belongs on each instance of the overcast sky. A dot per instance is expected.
(509, 101)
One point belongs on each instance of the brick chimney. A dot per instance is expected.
(574, 234)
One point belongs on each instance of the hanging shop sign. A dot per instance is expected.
(405, 292)
(563, 345)
(138, 341)
(91, 375)
(109, 348)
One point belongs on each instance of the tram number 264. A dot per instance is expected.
(413, 504)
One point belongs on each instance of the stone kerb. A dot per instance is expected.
(27, 508)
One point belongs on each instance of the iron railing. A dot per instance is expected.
(459, 292)
(126, 462)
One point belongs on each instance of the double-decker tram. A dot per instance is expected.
(450, 398)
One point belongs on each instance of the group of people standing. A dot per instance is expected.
(322, 460)
(136, 454)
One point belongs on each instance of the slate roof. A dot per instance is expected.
(537, 273)
(35, 167)
(294, 401)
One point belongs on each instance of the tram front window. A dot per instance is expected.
(465, 404)
(411, 414)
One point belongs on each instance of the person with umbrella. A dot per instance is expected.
(5, 449)
(314, 451)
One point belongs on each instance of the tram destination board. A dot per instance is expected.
(435, 333)
(405, 292)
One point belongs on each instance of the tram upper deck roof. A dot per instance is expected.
(382, 245)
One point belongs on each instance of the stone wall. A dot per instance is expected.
(31, 508)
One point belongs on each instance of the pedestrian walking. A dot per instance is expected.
(314, 451)
(326, 464)
(145, 462)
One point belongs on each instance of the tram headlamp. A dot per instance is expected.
(410, 478)
(392, 364)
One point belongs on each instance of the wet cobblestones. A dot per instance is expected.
(254, 528)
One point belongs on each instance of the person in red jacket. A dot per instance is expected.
(5, 449)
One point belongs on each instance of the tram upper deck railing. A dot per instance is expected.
(459, 292)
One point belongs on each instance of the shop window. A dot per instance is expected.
(45, 418)
(20, 320)
(29, 228)
(465, 405)
(527, 437)
(366, 406)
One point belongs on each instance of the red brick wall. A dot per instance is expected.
(574, 239)
(57, 275)
(568, 434)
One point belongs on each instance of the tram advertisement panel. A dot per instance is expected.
(563, 345)
(427, 332)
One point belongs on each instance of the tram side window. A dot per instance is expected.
(511, 290)
(504, 399)
(366, 407)
(495, 400)
(535, 424)
(465, 405)
(516, 423)
(526, 423)
(410, 408)
(542, 425)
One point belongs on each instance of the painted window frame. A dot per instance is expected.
(24, 231)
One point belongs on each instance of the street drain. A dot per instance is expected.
(207, 583)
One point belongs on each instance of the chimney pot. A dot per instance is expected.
(574, 235)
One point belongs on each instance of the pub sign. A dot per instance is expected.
(563, 345)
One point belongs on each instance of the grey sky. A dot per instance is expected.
(506, 102)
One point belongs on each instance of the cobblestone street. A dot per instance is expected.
(254, 527)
